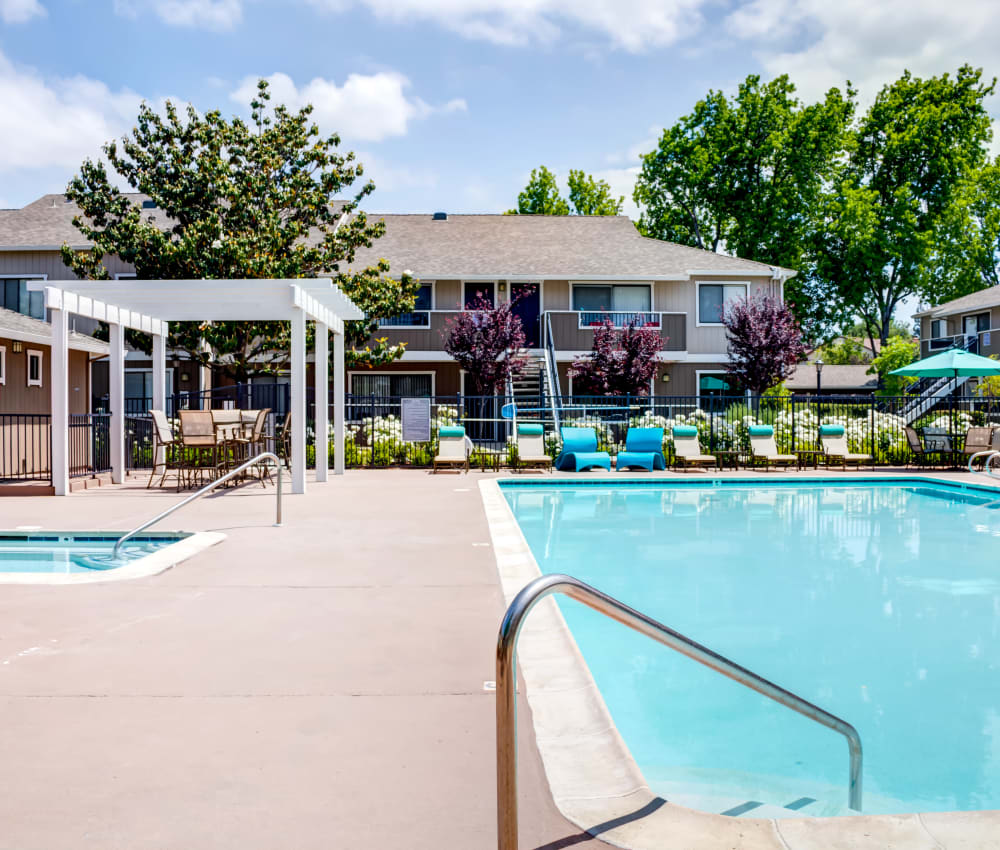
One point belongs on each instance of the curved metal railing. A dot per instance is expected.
(208, 488)
(506, 719)
(992, 454)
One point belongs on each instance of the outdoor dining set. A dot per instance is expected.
(208, 444)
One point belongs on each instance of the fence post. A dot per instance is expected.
(791, 402)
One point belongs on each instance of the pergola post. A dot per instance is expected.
(322, 387)
(298, 357)
(59, 390)
(338, 403)
(116, 400)
(160, 387)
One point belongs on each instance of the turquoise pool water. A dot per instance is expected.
(877, 601)
(71, 552)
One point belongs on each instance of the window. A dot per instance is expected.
(14, 296)
(473, 289)
(3, 365)
(977, 324)
(34, 368)
(939, 334)
(624, 301)
(392, 384)
(713, 298)
(420, 317)
(712, 385)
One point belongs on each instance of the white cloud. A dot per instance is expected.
(202, 14)
(393, 178)
(58, 122)
(633, 25)
(19, 11)
(369, 107)
(821, 43)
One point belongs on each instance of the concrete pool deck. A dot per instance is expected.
(317, 685)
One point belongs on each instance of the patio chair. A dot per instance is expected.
(763, 447)
(165, 449)
(452, 451)
(643, 450)
(228, 430)
(919, 456)
(687, 448)
(531, 447)
(252, 440)
(199, 445)
(283, 441)
(978, 439)
(833, 439)
(580, 452)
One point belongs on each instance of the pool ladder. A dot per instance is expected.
(990, 455)
(208, 488)
(506, 707)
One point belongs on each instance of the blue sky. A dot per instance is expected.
(450, 103)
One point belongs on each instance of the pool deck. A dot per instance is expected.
(315, 685)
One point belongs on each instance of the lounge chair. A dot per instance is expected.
(919, 456)
(643, 450)
(531, 447)
(451, 448)
(833, 439)
(763, 447)
(687, 448)
(580, 451)
(166, 448)
(978, 439)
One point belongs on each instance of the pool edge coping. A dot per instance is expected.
(593, 792)
(144, 567)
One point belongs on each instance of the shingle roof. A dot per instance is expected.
(834, 378)
(989, 297)
(18, 326)
(553, 247)
(499, 246)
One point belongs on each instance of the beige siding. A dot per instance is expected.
(447, 295)
(447, 376)
(17, 397)
(50, 264)
(555, 295)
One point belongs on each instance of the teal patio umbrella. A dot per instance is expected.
(953, 363)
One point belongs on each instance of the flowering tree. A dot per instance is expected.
(485, 340)
(621, 361)
(765, 341)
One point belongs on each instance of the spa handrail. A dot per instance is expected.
(208, 489)
(993, 454)
(506, 706)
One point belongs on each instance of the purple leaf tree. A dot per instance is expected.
(765, 341)
(485, 341)
(622, 361)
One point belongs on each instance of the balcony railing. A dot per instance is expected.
(573, 330)
(416, 319)
(592, 319)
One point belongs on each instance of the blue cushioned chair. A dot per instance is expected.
(643, 450)
(579, 451)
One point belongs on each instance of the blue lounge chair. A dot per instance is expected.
(579, 451)
(643, 450)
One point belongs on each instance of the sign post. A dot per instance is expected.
(415, 414)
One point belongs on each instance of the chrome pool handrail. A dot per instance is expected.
(506, 705)
(207, 489)
(993, 455)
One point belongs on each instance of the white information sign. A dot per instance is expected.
(415, 414)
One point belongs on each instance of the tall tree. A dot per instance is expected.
(587, 196)
(765, 342)
(892, 204)
(485, 340)
(622, 361)
(236, 200)
(742, 174)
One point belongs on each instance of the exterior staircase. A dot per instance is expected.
(928, 392)
(529, 389)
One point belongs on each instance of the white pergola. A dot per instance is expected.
(150, 305)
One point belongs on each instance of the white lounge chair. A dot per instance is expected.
(687, 448)
(531, 447)
(763, 447)
(833, 438)
(452, 450)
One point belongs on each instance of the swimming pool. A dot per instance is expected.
(878, 599)
(69, 553)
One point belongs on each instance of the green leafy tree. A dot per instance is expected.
(237, 200)
(908, 160)
(592, 197)
(989, 386)
(895, 354)
(846, 351)
(744, 174)
(587, 196)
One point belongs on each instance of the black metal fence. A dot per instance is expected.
(237, 396)
(89, 444)
(25, 447)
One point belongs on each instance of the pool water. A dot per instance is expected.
(878, 601)
(70, 552)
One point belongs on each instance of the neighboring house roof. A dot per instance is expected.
(983, 299)
(839, 378)
(542, 247)
(26, 329)
(461, 246)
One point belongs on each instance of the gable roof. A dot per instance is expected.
(979, 300)
(461, 246)
(542, 247)
(841, 378)
(27, 329)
